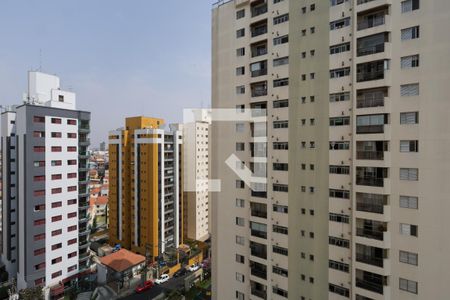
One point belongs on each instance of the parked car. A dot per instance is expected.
(180, 272)
(144, 286)
(193, 268)
(163, 278)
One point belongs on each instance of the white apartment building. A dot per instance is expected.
(196, 175)
(355, 97)
(44, 149)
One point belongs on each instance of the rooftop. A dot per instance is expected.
(122, 260)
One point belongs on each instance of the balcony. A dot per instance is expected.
(258, 250)
(368, 76)
(370, 155)
(370, 181)
(375, 234)
(259, 29)
(364, 1)
(371, 176)
(84, 127)
(258, 270)
(259, 234)
(370, 286)
(370, 100)
(259, 294)
(259, 89)
(372, 203)
(371, 20)
(260, 72)
(369, 129)
(259, 49)
(370, 255)
(368, 50)
(258, 8)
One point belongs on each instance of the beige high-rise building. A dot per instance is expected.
(353, 159)
(196, 175)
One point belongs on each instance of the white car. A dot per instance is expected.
(193, 268)
(162, 279)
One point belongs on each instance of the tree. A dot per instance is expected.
(32, 293)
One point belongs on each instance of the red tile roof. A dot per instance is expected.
(122, 260)
(101, 200)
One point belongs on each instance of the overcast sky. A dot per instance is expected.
(122, 57)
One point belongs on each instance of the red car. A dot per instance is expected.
(144, 286)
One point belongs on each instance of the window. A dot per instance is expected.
(280, 103)
(280, 166)
(240, 14)
(240, 240)
(280, 271)
(56, 163)
(408, 285)
(39, 134)
(56, 218)
(39, 222)
(73, 254)
(72, 241)
(39, 251)
(56, 149)
(71, 215)
(339, 218)
(240, 33)
(72, 201)
(240, 259)
(340, 23)
(408, 229)
(280, 124)
(409, 90)
(71, 122)
(56, 204)
(280, 229)
(411, 61)
(410, 5)
(37, 119)
(409, 202)
(72, 162)
(339, 290)
(408, 257)
(39, 207)
(340, 97)
(339, 121)
(39, 149)
(281, 40)
(56, 260)
(56, 246)
(71, 149)
(240, 90)
(39, 193)
(56, 134)
(280, 208)
(336, 49)
(40, 266)
(240, 52)
(337, 169)
(39, 237)
(277, 1)
(39, 178)
(280, 145)
(281, 82)
(240, 296)
(56, 121)
(240, 221)
(240, 184)
(281, 61)
(337, 73)
(338, 242)
(240, 146)
(71, 135)
(410, 33)
(337, 2)
(240, 71)
(411, 174)
(240, 277)
(281, 19)
(40, 163)
(339, 145)
(409, 146)
(56, 274)
(72, 228)
(312, 30)
(72, 175)
(56, 176)
(71, 188)
(409, 117)
(56, 191)
(337, 265)
(71, 268)
(280, 250)
(343, 194)
(280, 187)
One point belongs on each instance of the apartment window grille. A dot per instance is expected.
(280, 19)
(342, 194)
(411, 61)
(410, 33)
(340, 170)
(410, 174)
(280, 292)
(408, 257)
(339, 218)
(280, 271)
(410, 5)
(409, 202)
(336, 289)
(280, 187)
(340, 121)
(408, 285)
(280, 124)
(340, 145)
(340, 23)
(409, 146)
(280, 250)
(409, 117)
(240, 146)
(408, 229)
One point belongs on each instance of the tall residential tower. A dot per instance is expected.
(353, 151)
(146, 186)
(45, 200)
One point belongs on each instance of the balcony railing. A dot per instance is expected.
(370, 181)
(371, 207)
(259, 294)
(370, 233)
(370, 286)
(259, 214)
(369, 129)
(372, 22)
(259, 52)
(259, 194)
(370, 100)
(370, 155)
(259, 273)
(369, 259)
(260, 254)
(362, 51)
(260, 234)
(259, 92)
(367, 76)
(259, 31)
(364, 1)
(261, 72)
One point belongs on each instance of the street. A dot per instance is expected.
(172, 284)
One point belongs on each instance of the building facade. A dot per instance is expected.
(44, 150)
(354, 207)
(196, 175)
(146, 186)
